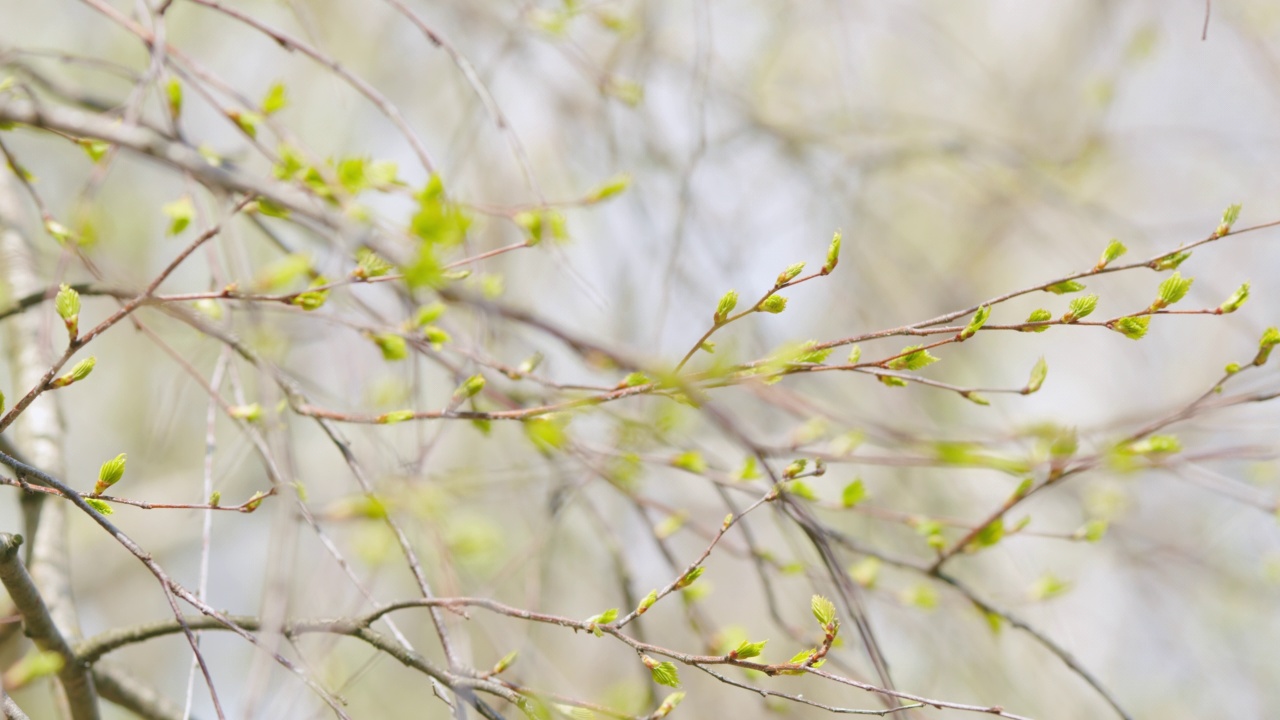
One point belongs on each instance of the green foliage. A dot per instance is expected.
(109, 474)
(1133, 328)
(1173, 289)
(1229, 217)
(747, 650)
(1039, 372)
(664, 673)
(1114, 250)
(833, 254)
(824, 611)
(1172, 260)
(470, 387)
(1237, 299)
(78, 372)
(393, 347)
(1037, 316)
(1048, 586)
(976, 322)
(1064, 287)
(615, 185)
(853, 493)
(275, 100)
(727, 303)
(789, 274)
(913, 357)
(691, 461)
(180, 213)
(1080, 308)
(774, 304)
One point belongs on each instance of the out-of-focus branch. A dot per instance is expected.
(120, 688)
(76, 680)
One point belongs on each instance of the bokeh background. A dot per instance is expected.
(963, 149)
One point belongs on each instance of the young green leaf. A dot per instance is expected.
(180, 213)
(823, 610)
(275, 99)
(747, 650)
(1064, 287)
(1133, 327)
(1038, 373)
(691, 461)
(395, 416)
(506, 662)
(727, 303)
(789, 274)
(1229, 217)
(913, 357)
(647, 602)
(665, 673)
(67, 303)
(774, 304)
(853, 493)
(615, 185)
(1048, 587)
(79, 372)
(1038, 315)
(1171, 261)
(1173, 289)
(1237, 299)
(690, 577)
(109, 474)
(1080, 307)
(833, 254)
(1269, 340)
(173, 93)
(855, 354)
(669, 703)
(370, 265)
(100, 506)
(469, 387)
(1114, 249)
(393, 346)
(248, 413)
(976, 322)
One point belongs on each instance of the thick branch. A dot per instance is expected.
(76, 680)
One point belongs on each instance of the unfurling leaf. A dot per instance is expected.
(615, 185)
(976, 322)
(913, 357)
(67, 303)
(823, 610)
(1080, 307)
(647, 602)
(1229, 217)
(1064, 287)
(1269, 340)
(853, 493)
(774, 304)
(1038, 316)
(833, 254)
(747, 650)
(789, 274)
(726, 305)
(1038, 373)
(1173, 289)
(1237, 299)
(180, 213)
(79, 372)
(470, 387)
(1113, 250)
(1133, 327)
(109, 474)
(1171, 261)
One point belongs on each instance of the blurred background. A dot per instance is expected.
(964, 150)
